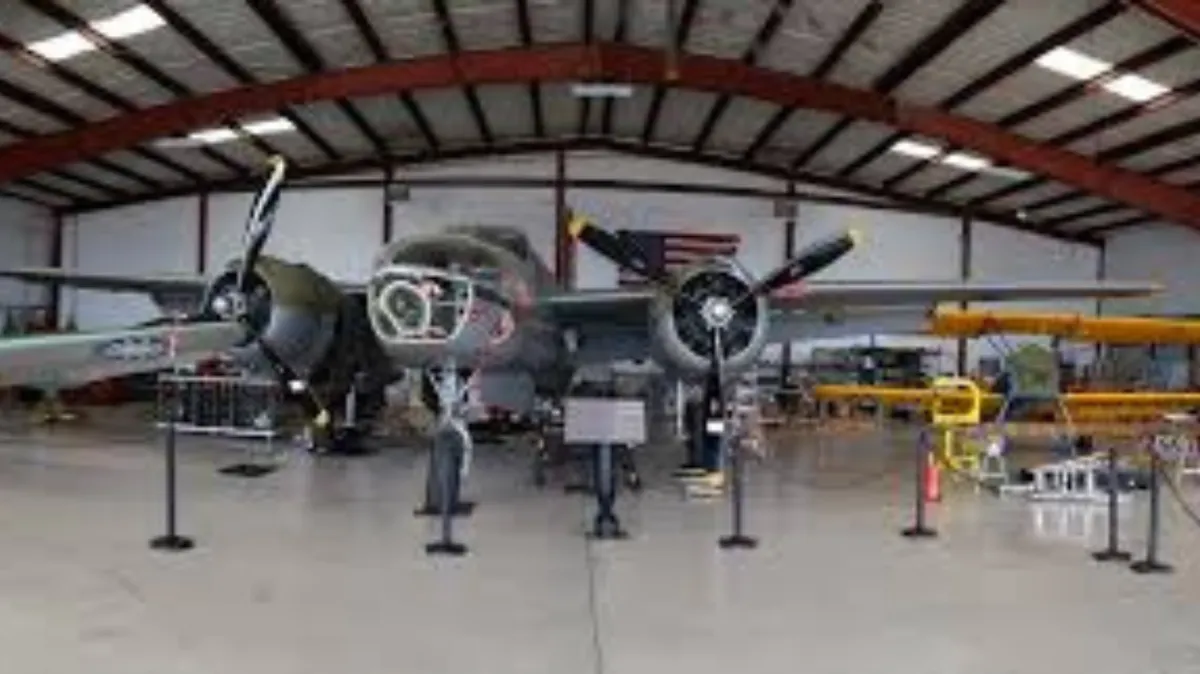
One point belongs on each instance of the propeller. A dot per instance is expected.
(809, 261)
(258, 230)
(262, 218)
(620, 251)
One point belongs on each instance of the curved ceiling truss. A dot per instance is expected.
(600, 62)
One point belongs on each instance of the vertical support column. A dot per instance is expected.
(966, 245)
(54, 299)
(1101, 274)
(388, 228)
(564, 271)
(789, 249)
(202, 233)
(1193, 380)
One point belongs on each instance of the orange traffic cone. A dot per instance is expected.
(933, 481)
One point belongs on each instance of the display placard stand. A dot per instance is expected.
(604, 423)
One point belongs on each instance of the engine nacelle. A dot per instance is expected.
(294, 308)
(682, 337)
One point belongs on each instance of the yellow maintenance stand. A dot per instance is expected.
(957, 405)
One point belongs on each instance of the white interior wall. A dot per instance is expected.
(1002, 254)
(895, 246)
(1165, 254)
(430, 209)
(26, 232)
(146, 238)
(339, 231)
(336, 231)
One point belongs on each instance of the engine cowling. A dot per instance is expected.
(681, 333)
(294, 308)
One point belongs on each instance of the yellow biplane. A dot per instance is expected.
(1070, 413)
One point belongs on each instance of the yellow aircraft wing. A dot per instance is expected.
(1076, 327)
(894, 395)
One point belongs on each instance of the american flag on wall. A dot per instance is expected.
(675, 250)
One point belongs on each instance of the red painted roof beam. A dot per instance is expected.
(1184, 15)
(564, 63)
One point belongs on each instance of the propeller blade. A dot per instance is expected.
(262, 217)
(288, 378)
(617, 250)
(811, 260)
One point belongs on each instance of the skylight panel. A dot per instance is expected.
(135, 21)
(1073, 64)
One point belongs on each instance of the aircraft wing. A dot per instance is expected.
(837, 294)
(78, 358)
(612, 322)
(148, 283)
(152, 284)
(587, 308)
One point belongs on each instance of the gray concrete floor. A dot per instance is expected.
(319, 568)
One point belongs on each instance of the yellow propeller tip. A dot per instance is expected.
(576, 225)
(322, 419)
(856, 237)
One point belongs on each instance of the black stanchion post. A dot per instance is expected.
(1151, 564)
(1112, 552)
(606, 525)
(171, 541)
(918, 529)
(737, 539)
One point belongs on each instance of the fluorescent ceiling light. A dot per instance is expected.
(1136, 88)
(1005, 172)
(966, 161)
(61, 47)
(262, 127)
(962, 160)
(211, 136)
(1082, 67)
(140, 19)
(914, 149)
(1073, 64)
(267, 127)
(601, 90)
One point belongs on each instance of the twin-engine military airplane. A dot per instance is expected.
(478, 300)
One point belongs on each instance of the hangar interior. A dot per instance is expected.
(1041, 150)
